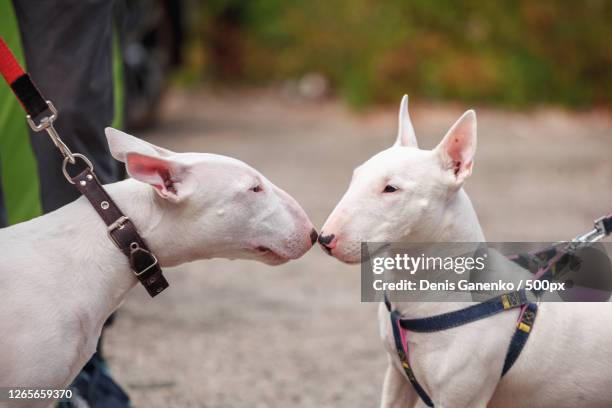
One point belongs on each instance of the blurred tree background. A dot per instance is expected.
(513, 53)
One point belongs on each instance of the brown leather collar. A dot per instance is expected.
(123, 233)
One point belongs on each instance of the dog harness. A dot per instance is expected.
(445, 321)
(543, 264)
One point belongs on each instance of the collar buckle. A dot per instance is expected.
(118, 224)
(137, 250)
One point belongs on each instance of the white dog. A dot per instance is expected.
(62, 276)
(407, 194)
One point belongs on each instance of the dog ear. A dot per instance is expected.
(169, 178)
(120, 144)
(457, 149)
(405, 131)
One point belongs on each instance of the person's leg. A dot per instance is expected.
(68, 51)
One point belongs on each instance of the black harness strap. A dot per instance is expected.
(461, 317)
(521, 334)
(470, 314)
(402, 352)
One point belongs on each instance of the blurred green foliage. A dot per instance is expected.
(506, 52)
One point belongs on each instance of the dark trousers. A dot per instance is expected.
(68, 49)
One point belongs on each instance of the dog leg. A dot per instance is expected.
(397, 391)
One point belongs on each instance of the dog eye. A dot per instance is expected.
(390, 189)
(256, 189)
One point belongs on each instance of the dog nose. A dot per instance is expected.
(313, 236)
(328, 242)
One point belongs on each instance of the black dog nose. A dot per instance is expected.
(325, 240)
(313, 236)
(328, 242)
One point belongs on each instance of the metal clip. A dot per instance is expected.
(75, 156)
(46, 123)
(601, 226)
(596, 234)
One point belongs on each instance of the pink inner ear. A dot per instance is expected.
(459, 144)
(146, 165)
(151, 170)
(458, 150)
(459, 147)
(455, 148)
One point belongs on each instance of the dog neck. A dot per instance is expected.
(69, 253)
(459, 223)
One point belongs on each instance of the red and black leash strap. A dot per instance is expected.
(31, 100)
(20, 82)
(120, 228)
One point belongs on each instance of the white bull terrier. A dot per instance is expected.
(406, 194)
(62, 276)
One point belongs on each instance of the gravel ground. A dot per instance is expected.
(242, 334)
